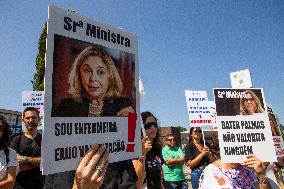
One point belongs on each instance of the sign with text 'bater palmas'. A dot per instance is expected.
(90, 88)
(243, 125)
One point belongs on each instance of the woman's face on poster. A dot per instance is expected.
(95, 77)
(249, 104)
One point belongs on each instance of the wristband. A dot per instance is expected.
(265, 180)
(23, 159)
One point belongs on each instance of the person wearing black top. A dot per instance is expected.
(197, 155)
(153, 159)
(28, 148)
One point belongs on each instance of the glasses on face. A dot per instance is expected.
(150, 124)
(197, 131)
(248, 99)
(171, 139)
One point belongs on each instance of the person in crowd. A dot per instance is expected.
(8, 158)
(153, 157)
(95, 87)
(28, 147)
(248, 175)
(250, 104)
(173, 165)
(214, 146)
(273, 125)
(197, 156)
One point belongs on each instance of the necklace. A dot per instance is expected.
(95, 109)
(94, 113)
(98, 104)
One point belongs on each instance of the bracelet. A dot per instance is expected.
(265, 180)
(23, 159)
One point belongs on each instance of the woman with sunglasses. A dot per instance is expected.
(152, 154)
(8, 159)
(197, 155)
(250, 104)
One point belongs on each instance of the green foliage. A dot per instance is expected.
(181, 129)
(38, 82)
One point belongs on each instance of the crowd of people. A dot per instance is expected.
(95, 91)
(159, 167)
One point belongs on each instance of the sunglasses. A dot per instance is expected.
(248, 99)
(171, 139)
(150, 124)
(197, 131)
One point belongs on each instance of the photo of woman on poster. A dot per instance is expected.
(250, 104)
(95, 87)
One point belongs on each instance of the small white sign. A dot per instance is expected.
(241, 79)
(198, 111)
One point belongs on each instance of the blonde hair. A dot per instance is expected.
(76, 89)
(258, 109)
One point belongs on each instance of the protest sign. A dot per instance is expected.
(241, 79)
(198, 110)
(212, 108)
(34, 99)
(244, 125)
(90, 87)
(275, 129)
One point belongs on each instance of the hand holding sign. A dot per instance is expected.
(255, 163)
(146, 145)
(91, 170)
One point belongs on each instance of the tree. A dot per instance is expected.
(38, 82)
(181, 129)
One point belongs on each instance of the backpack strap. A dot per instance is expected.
(6, 151)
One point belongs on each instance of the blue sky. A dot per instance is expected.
(182, 45)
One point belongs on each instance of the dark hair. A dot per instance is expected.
(7, 134)
(33, 109)
(190, 132)
(157, 144)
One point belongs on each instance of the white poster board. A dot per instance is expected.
(241, 79)
(71, 124)
(34, 99)
(198, 110)
(242, 132)
(212, 108)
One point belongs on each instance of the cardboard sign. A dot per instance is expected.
(90, 87)
(243, 125)
(34, 99)
(241, 79)
(198, 111)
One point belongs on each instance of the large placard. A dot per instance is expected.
(91, 85)
(198, 109)
(243, 125)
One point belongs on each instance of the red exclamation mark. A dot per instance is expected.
(131, 131)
